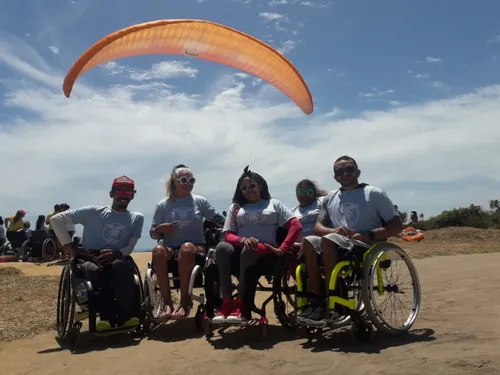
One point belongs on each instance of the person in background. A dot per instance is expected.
(27, 230)
(310, 198)
(3, 240)
(57, 209)
(40, 224)
(16, 222)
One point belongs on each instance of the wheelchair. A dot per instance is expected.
(356, 281)
(39, 246)
(277, 271)
(69, 320)
(153, 299)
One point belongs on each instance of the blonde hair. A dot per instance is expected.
(170, 184)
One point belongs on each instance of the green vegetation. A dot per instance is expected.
(472, 216)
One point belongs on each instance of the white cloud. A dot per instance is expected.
(287, 46)
(439, 84)
(433, 60)
(434, 155)
(278, 2)
(375, 93)
(54, 50)
(269, 16)
(421, 75)
(163, 70)
(495, 39)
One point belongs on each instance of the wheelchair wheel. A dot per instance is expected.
(285, 292)
(141, 300)
(153, 302)
(379, 268)
(66, 302)
(25, 251)
(49, 250)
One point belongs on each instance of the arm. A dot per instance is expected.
(157, 220)
(294, 228)
(47, 220)
(6, 222)
(210, 213)
(59, 223)
(323, 224)
(135, 236)
(386, 211)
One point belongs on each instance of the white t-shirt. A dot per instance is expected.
(260, 220)
(308, 216)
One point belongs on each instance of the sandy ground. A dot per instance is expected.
(457, 332)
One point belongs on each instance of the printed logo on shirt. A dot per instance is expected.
(251, 217)
(183, 215)
(114, 233)
(350, 213)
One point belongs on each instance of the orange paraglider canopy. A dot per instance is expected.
(204, 40)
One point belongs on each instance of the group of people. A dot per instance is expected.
(353, 216)
(16, 229)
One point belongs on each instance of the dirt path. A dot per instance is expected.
(458, 332)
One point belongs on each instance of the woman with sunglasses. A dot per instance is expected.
(178, 221)
(310, 197)
(250, 231)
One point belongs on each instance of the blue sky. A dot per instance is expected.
(408, 88)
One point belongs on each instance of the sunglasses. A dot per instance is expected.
(124, 193)
(302, 192)
(185, 180)
(252, 186)
(346, 170)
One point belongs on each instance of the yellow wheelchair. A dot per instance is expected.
(358, 280)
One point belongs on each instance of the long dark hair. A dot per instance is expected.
(239, 198)
(318, 192)
(39, 222)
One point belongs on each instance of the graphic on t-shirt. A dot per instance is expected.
(114, 233)
(350, 212)
(183, 215)
(251, 217)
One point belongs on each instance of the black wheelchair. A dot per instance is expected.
(277, 271)
(69, 320)
(39, 246)
(153, 299)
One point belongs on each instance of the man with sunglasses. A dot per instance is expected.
(110, 234)
(351, 218)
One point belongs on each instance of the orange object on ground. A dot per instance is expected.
(201, 39)
(411, 234)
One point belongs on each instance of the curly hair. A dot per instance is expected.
(318, 192)
(239, 199)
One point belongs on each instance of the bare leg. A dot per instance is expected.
(186, 258)
(161, 256)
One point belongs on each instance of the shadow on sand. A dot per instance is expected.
(342, 341)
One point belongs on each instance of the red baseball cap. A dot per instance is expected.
(124, 181)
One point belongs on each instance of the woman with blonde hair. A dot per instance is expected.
(178, 221)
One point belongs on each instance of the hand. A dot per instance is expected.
(361, 237)
(251, 242)
(106, 257)
(344, 231)
(275, 250)
(167, 227)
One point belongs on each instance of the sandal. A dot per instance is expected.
(187, 311)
